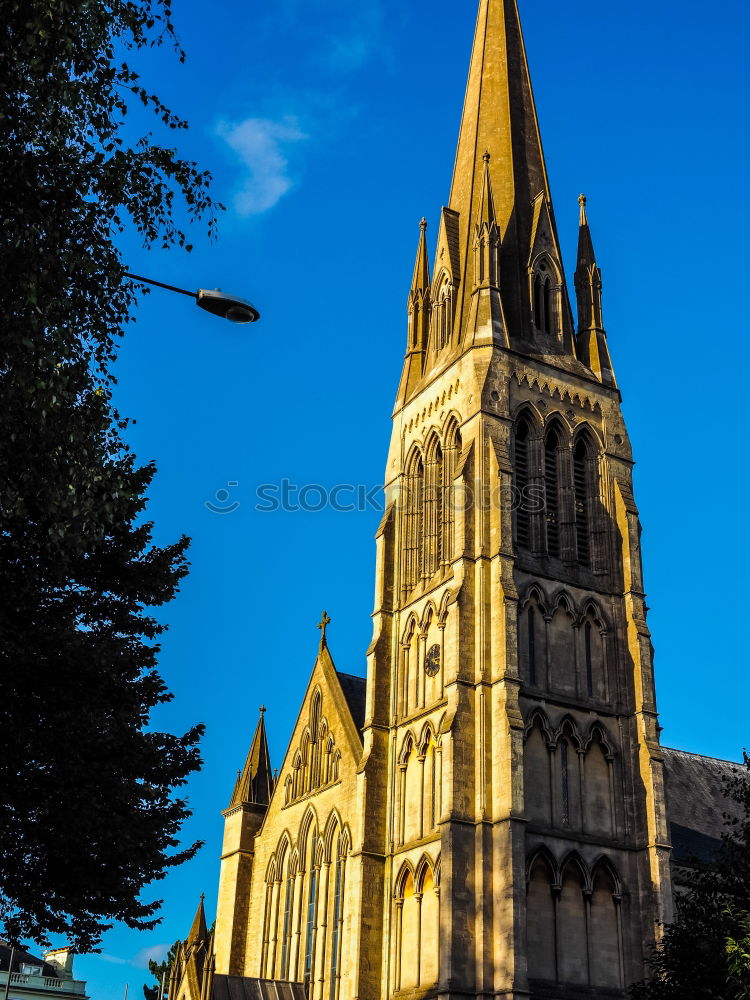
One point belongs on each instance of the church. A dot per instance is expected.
(490, 812)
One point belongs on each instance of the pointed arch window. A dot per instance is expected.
(552, 491)
(531, 625)
(315, 740)
(583, 485)
(433, 509)
(338, 918)
(588, 659)
(312, 899)
(414, 522)
(451, 453)
(594, 650)
(443, 313)
(522, 473)
(545, 286)
(565, 782)
(531, 641)
(538, 301)
(286, 939)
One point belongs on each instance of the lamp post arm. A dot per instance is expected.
(160, 284)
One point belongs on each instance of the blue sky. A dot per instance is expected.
(330, 128)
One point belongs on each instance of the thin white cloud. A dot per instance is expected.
(261, 145)
(354, 40)
(155, 952)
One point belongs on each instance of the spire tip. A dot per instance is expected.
(582, 202)
(423, 224)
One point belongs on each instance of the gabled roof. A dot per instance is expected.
(22, 957)
(697, 803)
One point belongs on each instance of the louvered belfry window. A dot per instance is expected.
(523, 521)
(552, 493)
(582, 488)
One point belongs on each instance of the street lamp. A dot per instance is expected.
(230, 307)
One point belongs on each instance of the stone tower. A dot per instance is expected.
(485, 815)
(512, 790)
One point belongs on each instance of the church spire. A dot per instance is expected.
(255, 782)
(421, 281)
(418, 308)
(198, 931)
(499, 116)
(592, 339)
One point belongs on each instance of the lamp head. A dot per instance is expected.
(230, 307)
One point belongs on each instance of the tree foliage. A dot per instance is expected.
(160, 971)
(88, 810)
(705, 953)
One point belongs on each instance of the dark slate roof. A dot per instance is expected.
(245, 988)
(690, 847)
(355, 692)
(696, 803)
(22, 957)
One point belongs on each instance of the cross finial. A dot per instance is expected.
(582, 202)
(486, 156)
(324, 621)
(262, 710)
(422, 226)
(203, 896)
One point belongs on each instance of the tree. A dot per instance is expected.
(160, 971)
(738, 955)
(705, 953)
(88, 811)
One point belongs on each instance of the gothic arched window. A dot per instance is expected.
(413, 521)
(443, 313)
(552, 491)
(521, 466)
(540, 921)
(337, 919)
(598, 818)
(548, 306)
(451, 452)
(433, 508)
(593, 646)
(531, 641)
(605, 948)
(538, 301)
(286, 932)
(584, 475)
(536, 775)
(545, 297)
(571, 913)
(315, 743)
(312, 899)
